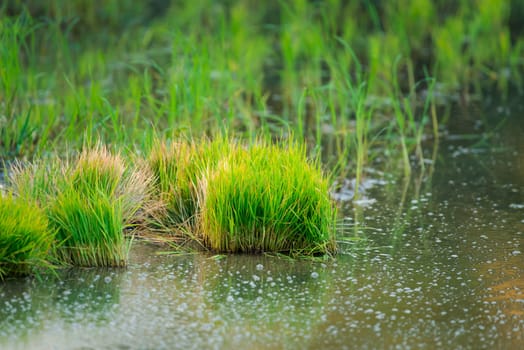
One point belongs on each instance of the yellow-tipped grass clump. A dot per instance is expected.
(90, 201)
(25, 238)
(267, 198)
(98, 202)
(226, 196)
(177, 168)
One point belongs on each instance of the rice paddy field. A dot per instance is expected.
(246, 174)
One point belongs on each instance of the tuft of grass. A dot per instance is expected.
(90, 226)
(90, 201)
(39, 181)
(25, 237)
(267, 198)
(177, 168)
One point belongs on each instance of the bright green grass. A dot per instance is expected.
(90, 201)
(220, 193)
(122, 72)
(267, 198)
(90, 228)
(25, 237)
(97, 204)
(351, 79)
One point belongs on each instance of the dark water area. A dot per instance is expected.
(434, 263)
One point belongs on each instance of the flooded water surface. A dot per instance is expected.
(436, 263)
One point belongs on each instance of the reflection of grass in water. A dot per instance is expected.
(402, 209)
(263, 295)
(96, 290)
(84, 296)
(240, 282)
(20, 309)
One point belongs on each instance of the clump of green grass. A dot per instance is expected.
(267, 198)
(25, 237)
(177, 168)
(91, 201)
(90, 226)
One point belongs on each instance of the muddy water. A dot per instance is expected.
(436, 262)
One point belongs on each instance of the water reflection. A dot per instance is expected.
(36, 313)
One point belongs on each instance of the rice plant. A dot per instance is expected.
(177, 167)
(334, 71)
(25, 237)
(90, 228)
(40, 180)
(90, 201)
(17, 126)
(267, 198)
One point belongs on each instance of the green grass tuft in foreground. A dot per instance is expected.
(177, 168)
(267, 198)
(90, 201)
(25, 238)
(90, 228)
